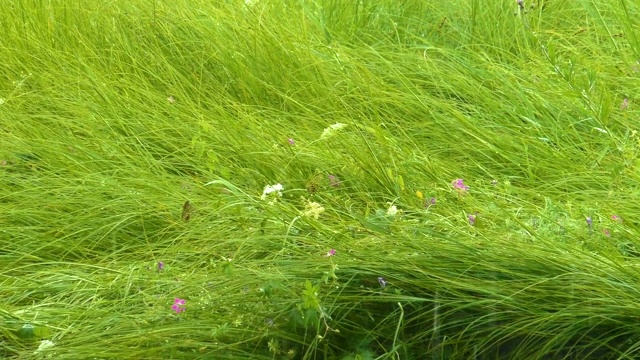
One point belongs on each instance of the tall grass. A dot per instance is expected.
(138, 137)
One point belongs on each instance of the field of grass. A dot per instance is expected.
(328, 179)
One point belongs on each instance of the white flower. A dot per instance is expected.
(332, 129)
(44, 344)
(313, 209)
(270, 189)
(392, 210)
(2, 101)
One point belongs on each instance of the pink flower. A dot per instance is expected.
(459, 185)
(330, 253)
(472, 219)
(616, 218)
(334, 181)
(178, 305)
(606, 232)
(291, 141)
(625, 104)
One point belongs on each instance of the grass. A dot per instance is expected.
(145, 132)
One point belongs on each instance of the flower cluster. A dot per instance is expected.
(313, 209)
(334, 181)
(274, 192)
(178, 305)
(331, 130)
(459, 185)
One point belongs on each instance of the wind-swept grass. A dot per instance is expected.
(142, 143)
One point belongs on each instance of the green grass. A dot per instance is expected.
(113, 116)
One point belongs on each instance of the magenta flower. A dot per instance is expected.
(382, 281)
(472, 219)
(178, 305)
(160, 265)
(616, 218)
(459, 185)
(330, 253)
(291, 141)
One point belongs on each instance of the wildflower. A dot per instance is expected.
(419, 195)
(2, 101)
(269, 189)
(616, 218)
(606, 232)
(313, 209)
(330, 253)
(432, 201)
(472, 219)
(291, 141)
(383, 283)
(589, 222)
(494, 182)
(332, 129)
(392, 210)
(334, 181)
(625, 104)
(520, 4)
(178, 305)
(171, 99)
(44, 344)
(160, 265)
(459, 185)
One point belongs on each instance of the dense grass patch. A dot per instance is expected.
(280, 179)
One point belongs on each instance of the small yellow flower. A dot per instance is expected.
(313, 209)
(419, 195)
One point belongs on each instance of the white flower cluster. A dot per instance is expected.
(274, 192)
(44, 344)
(332, 130)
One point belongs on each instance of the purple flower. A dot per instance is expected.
(160, 265)
(432, 201)
(334, 181)
(589, 221)
(616, 218)
(472, 219)
(459, 185)
(330, 253)
(291, 141)
(382, 281)
(178, 305)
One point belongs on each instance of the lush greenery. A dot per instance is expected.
(142, 144)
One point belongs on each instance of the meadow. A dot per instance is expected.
(328, 179)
